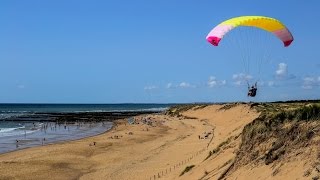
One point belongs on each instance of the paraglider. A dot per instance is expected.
(252, 91)
(268, 24)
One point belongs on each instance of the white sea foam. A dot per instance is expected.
(128, 110)
(4, 130)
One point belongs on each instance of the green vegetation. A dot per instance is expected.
(228, 106)
(217, 149)
(275, 114)
(225, 172)
(201, 106)
(280, 128)
(305, 113)
(187, 169)
(226, 163)
(178, 109)
(225, 142)
(209, 155)
(317, 177)
(282, 131)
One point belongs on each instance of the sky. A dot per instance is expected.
(142, 51)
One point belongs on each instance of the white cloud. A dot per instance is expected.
(282, 70)
(212, 82)
(184, 85)
(150, 87)
(180, 85)
(241, 78)
(310, 82)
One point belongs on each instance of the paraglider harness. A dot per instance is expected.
(252, 91)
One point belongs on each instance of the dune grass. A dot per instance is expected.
(187, 169)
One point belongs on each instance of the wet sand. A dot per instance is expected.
(51, 132)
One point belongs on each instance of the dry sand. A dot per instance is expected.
(164, 148)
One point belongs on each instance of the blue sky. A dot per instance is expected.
(148, 51)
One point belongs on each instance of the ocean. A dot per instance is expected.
(16, 109)
(17, 134)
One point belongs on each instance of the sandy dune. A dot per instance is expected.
(155, 146)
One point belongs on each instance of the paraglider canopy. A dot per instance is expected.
(266, 23)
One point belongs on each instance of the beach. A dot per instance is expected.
(187, 142)
(153, 146)
(28, 125)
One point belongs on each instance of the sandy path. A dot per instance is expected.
(227, 123)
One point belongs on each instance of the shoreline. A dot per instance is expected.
(43, 137)
(58, 142)
(48, 133)
(153, 143)
(64, 117)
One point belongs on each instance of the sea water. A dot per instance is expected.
(7, 111)
(21, 134)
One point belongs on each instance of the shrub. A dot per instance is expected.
(187, 169)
